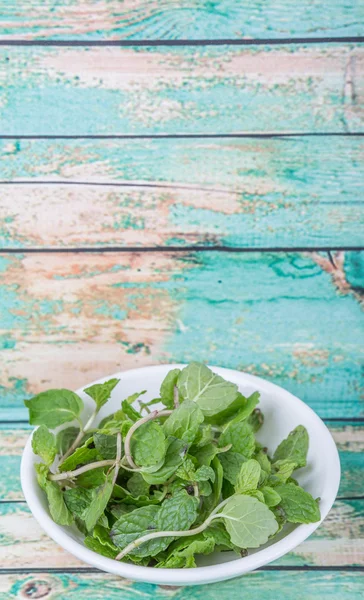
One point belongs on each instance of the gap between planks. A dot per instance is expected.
(184, 42)
(183, 249)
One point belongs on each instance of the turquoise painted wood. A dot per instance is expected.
(151, 19)
(338, 585)
(349, 437)
(292, 318)
(292, 192)
(182, 90)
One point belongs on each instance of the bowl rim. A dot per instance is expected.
(198, 575)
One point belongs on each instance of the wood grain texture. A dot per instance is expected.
(109, 311)
(260, 585)
(276, 192)
(336, 543)
(349, 438)
(227, 89)
(162, 19)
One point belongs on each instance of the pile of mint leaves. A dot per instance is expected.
(158, 487)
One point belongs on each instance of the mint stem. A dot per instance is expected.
(75, 444)
(153, 415)
(80, 470)
(156, 534)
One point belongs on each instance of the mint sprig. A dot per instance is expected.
(162, 486)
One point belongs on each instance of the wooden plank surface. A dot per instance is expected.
(182, 90)
(336, 543)
(146, 19)
(260, 585)
(349, 437)
(292, 318)
(256, 193)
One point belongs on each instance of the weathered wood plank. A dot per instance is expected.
(336, 543)
(338, 585)
(237, 192)
(293, 318)
(146, 19)
(348, 437)
(181, 90)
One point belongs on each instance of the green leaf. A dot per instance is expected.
(204, 436)
(231, 463)
(220, 536)
(113, 421)
(263, 460)
(271, 497)
(255, 494)
(148, 445)
(178, 512)
(187, 470)
(248, 477)
(175, 455)
(213, 394)
(294, 448)
(44, 444)
(137, 486)
(185, 548)
(92, 478)
(101, 497)
(57, 507)
(95, 545)
(134, 524)
(248, 522)
(54, 407)
(81, 456)
(241, 438)
(42, 474)
(238, 411)
(65, 438)
(210, 502)
(130, 412)
(282, 470)
(105, 445)
(77, 500)
(167, 388)
(184, 422)
(205, 474)
(206, 454)
(204, 488)
(256, 420)
(101, 392)
(298, 505)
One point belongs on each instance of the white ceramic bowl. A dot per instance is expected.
(282, 411)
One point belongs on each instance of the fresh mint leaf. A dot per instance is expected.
(148, 445)
(271, 496)
(247, 408)
(92, 479)
(54, 407)
(298, 505)
(263, 460)
(248, 522)
(187, 470)
(57, 507)
(237, 411)
(167, 388)
(231, 463)
(241, 438)
(213, 394)
(95, 545)
(256, 420)
(256, 494)
(206, 454)
(282, 470)
(205, 435)
(134, 524)
(176, 451)
(44, 444)
(184, 422)
(248, 477)
(65, 438)
(178, 512)
(81, 456)
(205, 474)
(137, 486)
(204, 488)
(183, 550)
(294, 448)
(130, 411)
(222, 540)
(77, 500)
(101, 392)
(100, 498)
(105, 445)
